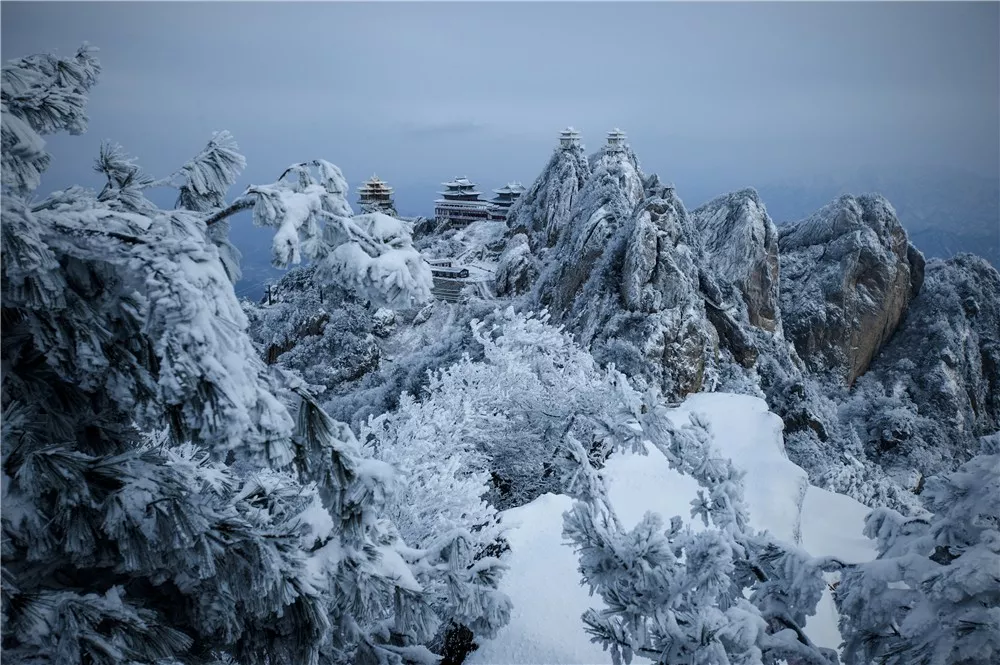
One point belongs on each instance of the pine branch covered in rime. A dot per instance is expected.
(722, 595)
(933, 593)
(41, 94)
(371, 254)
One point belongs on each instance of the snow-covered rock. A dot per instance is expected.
(605, 203)
(624, 278)
(543, 581)
(848, 274)
(543, 212)
(741, 248)
(516, 268)
(937, 381)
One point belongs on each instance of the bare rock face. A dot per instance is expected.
(741, 248)
(848, 274)
(517, 267)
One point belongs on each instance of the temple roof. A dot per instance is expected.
(511, 188)
(374, 185)
(459, 183)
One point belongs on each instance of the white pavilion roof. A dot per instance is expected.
(511, 188)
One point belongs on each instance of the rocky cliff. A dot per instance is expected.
(623, 276)
(935, 387)
(741, 248)
(879, 378)
(543, 212)
(848, 275)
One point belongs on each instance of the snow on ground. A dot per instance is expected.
(745, 431)
(832, 525)
(545, 588)
(543, 581)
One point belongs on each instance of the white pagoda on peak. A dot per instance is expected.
(569, 138)
(504, 199)
(376, 195)
(616, 141)
(460, 203)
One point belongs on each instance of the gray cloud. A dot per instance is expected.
(722, 94)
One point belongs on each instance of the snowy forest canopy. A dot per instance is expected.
(324, 478)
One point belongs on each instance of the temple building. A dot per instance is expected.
(504, 199)
(376, 195)
(569, 138)
(616, 141)
(460, 203)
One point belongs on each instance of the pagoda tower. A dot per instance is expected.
(504, 199)
(376, 195)
(460, 203)
(616, 141)
(569, 138)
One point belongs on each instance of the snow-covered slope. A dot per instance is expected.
(543, 581)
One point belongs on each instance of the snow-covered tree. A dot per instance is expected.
(933, 594)
(725, 594)
(371, 254)
(439, 505)
(167, 497)
(320, 331)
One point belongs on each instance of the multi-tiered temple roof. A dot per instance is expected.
(460, 203)
(504, 199)
(376, 195)
(616, 141)
(569, 138)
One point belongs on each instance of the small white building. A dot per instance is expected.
(616, 141)
(569, 138)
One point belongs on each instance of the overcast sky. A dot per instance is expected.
(713, 95)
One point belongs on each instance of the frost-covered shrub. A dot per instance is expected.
(423, 342)
(321, 332)
(933, 593)
(439, 501)
(532, 384)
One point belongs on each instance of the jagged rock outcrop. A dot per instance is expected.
(741, 248)
(628, 283)
(543, 212)
(935, 387)
(848, 274)
(719, 299)
(517, 268)
(606, 202)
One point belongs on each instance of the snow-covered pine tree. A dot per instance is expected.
(721, 595)
(932, 597)
(371, 254)
(120, 320)
(320, 331)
